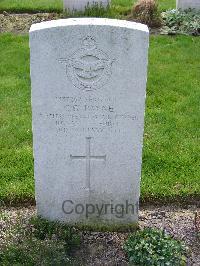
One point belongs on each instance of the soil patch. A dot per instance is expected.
(21, 23)
(105, 248)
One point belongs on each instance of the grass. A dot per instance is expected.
(21, 6)
(171, 148)
(15, 113)
(33, 6)
(167, 4)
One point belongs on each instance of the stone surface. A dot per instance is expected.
(80, 5)
(88, 99)
(185, 4)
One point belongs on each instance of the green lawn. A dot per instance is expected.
(171, 148)
(57, 5)
(167, 4)
(31, 5)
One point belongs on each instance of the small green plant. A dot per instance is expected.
(43, 229)
(33, 252)
(40, 242)
(155, 248)
(96, 10)
(181, 22)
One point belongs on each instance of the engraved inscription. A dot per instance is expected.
(88, 157)
(87, 115)
(88, 68)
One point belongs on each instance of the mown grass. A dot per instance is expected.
(16, 162)
(171, 148)
(171, 163)
(33, 6)
(21, 6)
(166, 4)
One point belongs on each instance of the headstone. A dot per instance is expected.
(186, 4)
(80, 5)
(88, 99)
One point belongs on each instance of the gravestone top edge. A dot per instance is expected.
(89, 21)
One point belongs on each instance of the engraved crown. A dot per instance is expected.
(89, 43)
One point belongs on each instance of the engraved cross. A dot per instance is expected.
(88, 157)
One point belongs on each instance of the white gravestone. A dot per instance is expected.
(88, 99)
(186, 4)
(80, 5)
